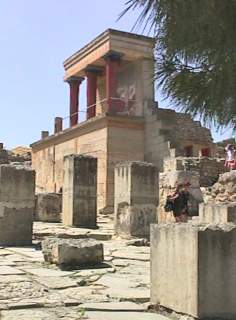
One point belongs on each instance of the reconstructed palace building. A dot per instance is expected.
(123, 121)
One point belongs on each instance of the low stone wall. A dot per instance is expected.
(193, 269)
(209, 169)
(217, 213)
(136, 198)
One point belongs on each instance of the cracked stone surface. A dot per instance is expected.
(117, 289)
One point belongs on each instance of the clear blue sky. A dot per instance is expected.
(36, 37)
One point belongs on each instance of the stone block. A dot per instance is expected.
(17, 186)
(79, 205)
(136, 198)
(16, 226)
(217, 213)
(4, 156)
(193, 269)
(72, 252)
(48, 207)
(17, 203)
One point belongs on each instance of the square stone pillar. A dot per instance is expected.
(17, 203)
(136, 198)
(79, 202)
(193, 269)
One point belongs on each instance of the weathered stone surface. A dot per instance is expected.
(136, 198)
(102, 315)
(57, 282)
(217, 213)
(4, 157)
(17, 186)
(72, 252)
(189, 264)
(16, 226)
(7, 270)
(208, 169)
(114, 306)
(48, 207)
(225, 189)
(80, 191)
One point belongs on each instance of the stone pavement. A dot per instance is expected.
(117, 289)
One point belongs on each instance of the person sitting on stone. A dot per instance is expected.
(180, 202)
(230, 157)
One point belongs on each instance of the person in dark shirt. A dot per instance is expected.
(180, 202)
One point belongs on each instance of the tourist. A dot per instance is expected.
(180, 202)
(230, 157)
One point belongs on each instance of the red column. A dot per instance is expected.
(91, 74)
(74, 83)
(112, 64)
(58, 124)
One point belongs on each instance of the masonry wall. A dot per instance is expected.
(209, 169)
(169, 133)
(124, 144)
(111, 140)
(48, 162)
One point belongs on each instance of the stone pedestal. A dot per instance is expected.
(136, 198)
(217, 213)
(193, 269)
(17, 203)
(48, 207)
(79, 201)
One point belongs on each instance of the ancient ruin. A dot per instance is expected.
(97, 192)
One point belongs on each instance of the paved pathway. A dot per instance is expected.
(119, 289)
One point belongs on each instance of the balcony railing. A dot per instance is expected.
(119, 106)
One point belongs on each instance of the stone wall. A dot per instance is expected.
(193, 269)
(167, 131)
(209, 169)
(109, 139)
(136, 198)
(217, 213)
(224, 190)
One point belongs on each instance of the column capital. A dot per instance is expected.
(74, 79)
(93, 69)
(113, 55)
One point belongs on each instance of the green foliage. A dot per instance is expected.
(195, 54)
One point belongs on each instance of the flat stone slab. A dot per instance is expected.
(8, 270)
(12, 278)
(100, 315)
(72, 252)
(113, 306)
(126, 254)
(28, 314)
(56, 282)
(46, 272)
